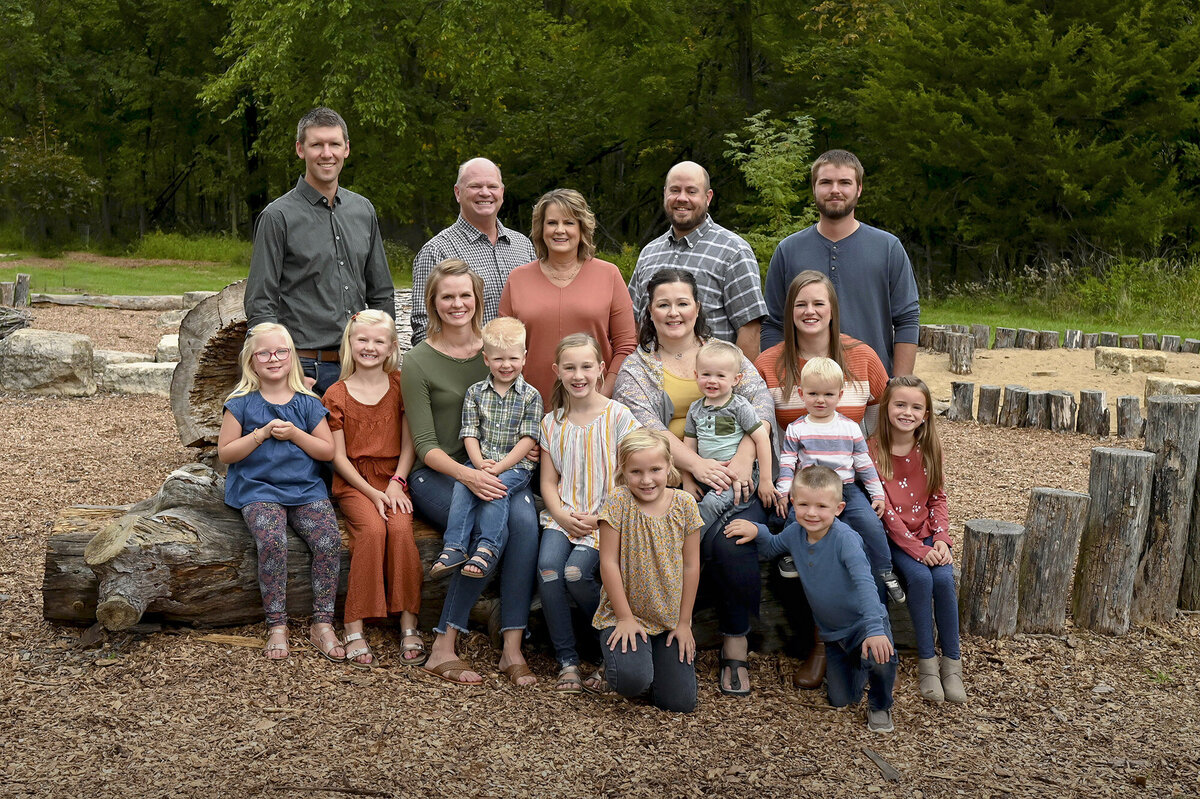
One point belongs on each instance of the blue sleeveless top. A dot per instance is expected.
(276, 471)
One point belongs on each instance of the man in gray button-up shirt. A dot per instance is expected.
(318, 255)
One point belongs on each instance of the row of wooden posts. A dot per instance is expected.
(1055, 410)
(1127, 552)
(961, 341)
(15, 293)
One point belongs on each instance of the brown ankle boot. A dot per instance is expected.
(812, 671)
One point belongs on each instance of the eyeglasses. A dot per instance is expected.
(281, 354)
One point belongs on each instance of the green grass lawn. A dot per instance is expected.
(1000, 313)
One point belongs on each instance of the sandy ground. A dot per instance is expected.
(170, 714)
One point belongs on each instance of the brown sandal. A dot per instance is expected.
(450, 671)
(518, 670)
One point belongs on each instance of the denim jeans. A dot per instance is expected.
(729, 575)
(654, 669)
(716, 503)
(431, 491)
(566, 576)
(326, 373)
(859, 514)
(930, 592)
(492, 515)
(847, 672)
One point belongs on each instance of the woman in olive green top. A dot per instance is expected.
(435, 378)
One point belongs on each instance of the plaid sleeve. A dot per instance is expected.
(743, 288)
(470, 413)
(531, 414)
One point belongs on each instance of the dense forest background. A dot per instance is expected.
(997, 134)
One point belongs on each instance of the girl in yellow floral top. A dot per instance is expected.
(650, 566)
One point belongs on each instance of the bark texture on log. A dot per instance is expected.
(1131, 342)
(962, 402)
(124, 302)
(7, 287)
(1091, 341)
(1109, 339)
(1149, 341)
(1006, 338)
(1093, 417)
(1053, 527)
(1016, 402)
(987, 603)
(1027, 339)
(982, 335)
(1130, 423)
(1037, 410)
(1073, 339)
(989, 405)
(1061, 411)
(1170, 344)
(1191, 345)
(21, 291)
(961, 348)
(1120, 487)
(1048, 340)
(937, 339)
(1173, 434)
(210, 340)
(13, 319)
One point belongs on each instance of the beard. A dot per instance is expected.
(837, 212)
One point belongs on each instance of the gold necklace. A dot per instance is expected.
(553, 275)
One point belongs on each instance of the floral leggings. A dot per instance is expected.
(317, 525)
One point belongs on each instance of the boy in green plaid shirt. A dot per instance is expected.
(500, 419)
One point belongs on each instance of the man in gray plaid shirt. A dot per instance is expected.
(477, 237)
(726, 270)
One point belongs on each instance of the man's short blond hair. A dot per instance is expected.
(823, 371)
(504, 332)
(721, 349)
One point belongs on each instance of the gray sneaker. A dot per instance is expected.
(787, 568)
(879, 720)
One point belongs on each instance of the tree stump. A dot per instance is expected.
(987, 600)
(21, 291)
(1189, 586)
(1120, 487)
(958, 328)
(989, 405)
(1053, 528)
(1173, 434)
(1047, 340)
(6, 292)
(210, 340)
(1131, 342)
(1149, 341)
(961, 348)
(1091, 341)
(1109, 339)
(923, 336)
(1016, 402)
(1170, 344)
(1006, 338)
(1037, 410)
(1130, 423)
(982, 335)
(1073, 339)
(14, 319)
(1191, 345)
(1093, 416)
(1027, 339)
(1061, 408)
(937, 339)
(962, 401)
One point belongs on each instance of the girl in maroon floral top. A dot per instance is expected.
(908, 457)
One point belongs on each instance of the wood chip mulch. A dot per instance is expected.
(171, 712)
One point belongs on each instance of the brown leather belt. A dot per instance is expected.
(330, 356)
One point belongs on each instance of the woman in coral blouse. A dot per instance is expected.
(568, 290)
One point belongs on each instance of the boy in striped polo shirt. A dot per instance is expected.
(824, 437)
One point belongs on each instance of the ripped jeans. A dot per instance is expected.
(566, 574)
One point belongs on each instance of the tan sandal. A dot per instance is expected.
(420, 659)
(323, 646)
(363, 649)
(517, 671)
(277, 647)
(568, 681)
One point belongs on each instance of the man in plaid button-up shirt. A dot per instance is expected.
(724, 265)
(477, 237)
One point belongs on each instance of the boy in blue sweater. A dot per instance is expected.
(837, 580)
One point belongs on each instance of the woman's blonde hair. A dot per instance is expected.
(250, 382)
(787, 368)
(572, 203)
(452, 267)
(558, 395)
(642, 439)
(369, 318)
(927, 438)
